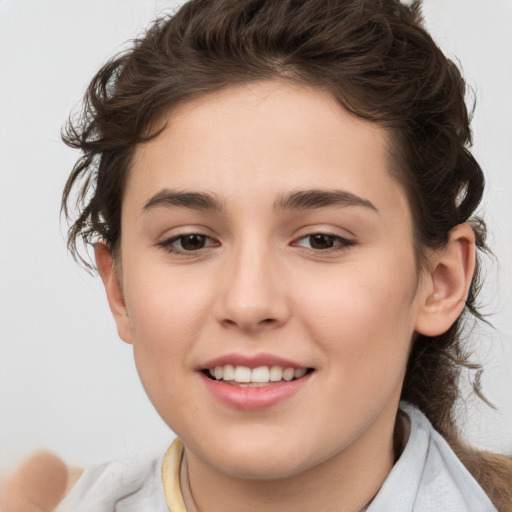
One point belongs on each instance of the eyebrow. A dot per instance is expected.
(299, 200)
(193, 200)
(312, 199)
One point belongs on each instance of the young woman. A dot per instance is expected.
(281, 201)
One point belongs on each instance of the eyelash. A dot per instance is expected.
(343, 243)
(167, 245)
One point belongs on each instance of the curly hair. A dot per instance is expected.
(378, 62)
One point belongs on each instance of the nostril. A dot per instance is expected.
(250, 322)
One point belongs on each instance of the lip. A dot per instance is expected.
(253, 398)
(251, 361)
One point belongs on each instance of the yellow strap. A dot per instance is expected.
(171, 477)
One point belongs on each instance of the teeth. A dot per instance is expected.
(276, 373)
(229, 372)
(242, 374)
(261, 374)
(300, 372)
(288, 374)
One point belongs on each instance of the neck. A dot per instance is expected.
(346, 482)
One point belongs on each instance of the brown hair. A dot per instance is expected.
(376, 59)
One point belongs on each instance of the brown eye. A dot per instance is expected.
(188, 243)
(321, 241)
(191, 242)
(324, 242)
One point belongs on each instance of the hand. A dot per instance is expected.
(38, 485)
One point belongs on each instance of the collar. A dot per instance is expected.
(171, 468)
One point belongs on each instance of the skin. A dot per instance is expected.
(261, 285)
(38, 484)
(258, 286)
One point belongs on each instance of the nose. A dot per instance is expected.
(252, 294)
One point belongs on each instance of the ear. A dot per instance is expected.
(114, 290)
(447, 283)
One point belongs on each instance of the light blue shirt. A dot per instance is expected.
(428, 477)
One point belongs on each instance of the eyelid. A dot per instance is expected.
(167, 243)
(343, 242)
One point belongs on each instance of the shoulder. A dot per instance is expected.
(126, 486)
(428, 476)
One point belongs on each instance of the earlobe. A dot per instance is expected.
(113, 289)
(449, 278)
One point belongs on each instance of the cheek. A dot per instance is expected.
(362, 317)
(166, 318)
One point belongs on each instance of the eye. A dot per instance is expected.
(324, 242)
(187, 243)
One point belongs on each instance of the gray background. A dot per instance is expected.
(66, 382)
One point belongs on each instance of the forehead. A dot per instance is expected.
(261, 138)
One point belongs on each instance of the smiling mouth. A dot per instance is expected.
(243, 376)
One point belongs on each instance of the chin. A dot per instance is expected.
(263, 469)
(261, 460)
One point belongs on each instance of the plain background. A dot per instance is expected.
(66, 382)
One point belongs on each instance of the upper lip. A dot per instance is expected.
(251, 361)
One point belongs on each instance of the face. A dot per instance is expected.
(264, 239)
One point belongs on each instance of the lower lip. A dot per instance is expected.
(253, 399)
